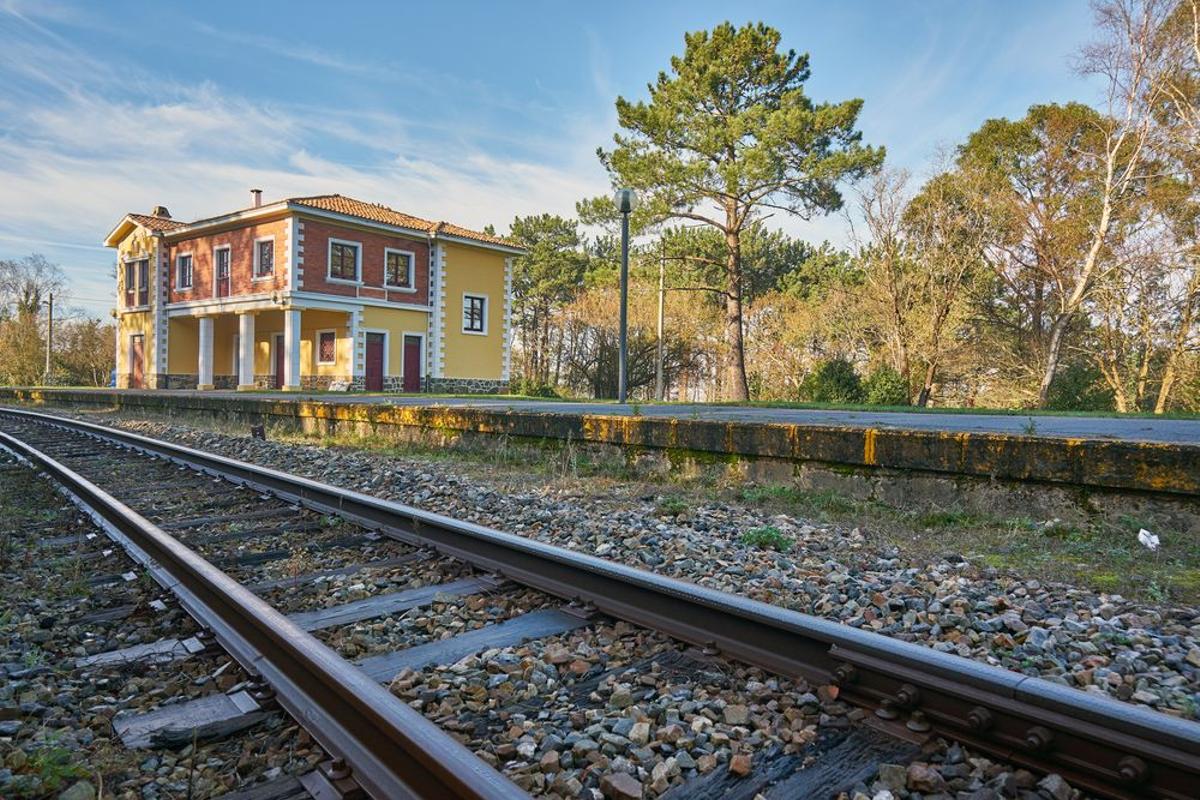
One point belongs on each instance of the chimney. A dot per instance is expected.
(256, 197)
(160, 211)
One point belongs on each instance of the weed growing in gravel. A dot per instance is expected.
(671, 506)
(768, 537)
(34, 657)
(54, 766)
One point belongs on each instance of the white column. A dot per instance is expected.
(291, 350)
(206, 353)
(246, 355)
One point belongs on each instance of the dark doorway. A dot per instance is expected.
(279, 359)
(412, 363)
(374, 362)
(137, 362)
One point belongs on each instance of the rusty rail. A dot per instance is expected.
(391, 750)
(1110, 748)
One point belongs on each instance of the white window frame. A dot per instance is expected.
(229, 249)
(358, 256)
(254, 276)
(127, 263)
(487, 305)
(179, 285)
(317, 347)
(412, 270)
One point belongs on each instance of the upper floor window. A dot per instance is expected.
(398, 269)
(474, 313)
(183, 271)
(264, 257)
(344, 260)
(222, 273)
(130, 282)
(143, 277)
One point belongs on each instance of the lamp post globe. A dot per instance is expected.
(625, 200)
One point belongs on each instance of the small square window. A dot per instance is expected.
(343, 261)
(474, 314)
(326, 347)
(398, 269)
(264, 258)
(183, 271)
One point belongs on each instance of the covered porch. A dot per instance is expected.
(264, 346)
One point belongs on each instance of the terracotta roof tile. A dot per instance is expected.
(339, 204)
(380, 213)
(157, 223)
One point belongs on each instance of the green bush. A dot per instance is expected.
(1079, 387)
(833, 381)
(532, 388)
(886, 387)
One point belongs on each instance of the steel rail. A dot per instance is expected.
(1110, 748)
(392, 751)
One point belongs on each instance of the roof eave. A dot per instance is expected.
(300, 208)
(225, 219)
(117, 234)
(467, 240)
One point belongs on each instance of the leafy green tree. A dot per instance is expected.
(550, 274)
(727, 137)
(1060, 184)
(833, 381)
(885, 387)
(771, 260)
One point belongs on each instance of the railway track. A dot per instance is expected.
(275, 537)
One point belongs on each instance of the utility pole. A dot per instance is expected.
(659, 388)
(49, 336)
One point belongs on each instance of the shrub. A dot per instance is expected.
(531, 388)
(886, 387)
(833, 381)
(1079, 387)
(768, 537)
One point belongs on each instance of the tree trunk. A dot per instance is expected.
(1053, 353)
(734, 386)
(927, 386)
(1178, 344)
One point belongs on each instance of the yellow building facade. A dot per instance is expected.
(320, 292)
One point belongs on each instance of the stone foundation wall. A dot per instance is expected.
(179, 381)
(321, 382)
(465, 386)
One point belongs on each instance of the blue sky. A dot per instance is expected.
(469, 112)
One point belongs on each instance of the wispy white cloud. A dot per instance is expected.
(94, 146)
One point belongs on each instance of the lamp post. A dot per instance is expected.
(625, 199)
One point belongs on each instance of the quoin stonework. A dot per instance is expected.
(323, 292)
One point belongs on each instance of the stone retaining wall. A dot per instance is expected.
(861, 455)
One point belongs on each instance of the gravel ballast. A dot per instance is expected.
(1095, 642)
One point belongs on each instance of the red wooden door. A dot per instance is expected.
(412, 363)
(374, 365)
(279, 362)
(137, 359)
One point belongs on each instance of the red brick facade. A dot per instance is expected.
(317, 234)
(241, 246)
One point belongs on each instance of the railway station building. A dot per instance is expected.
(323, 292)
